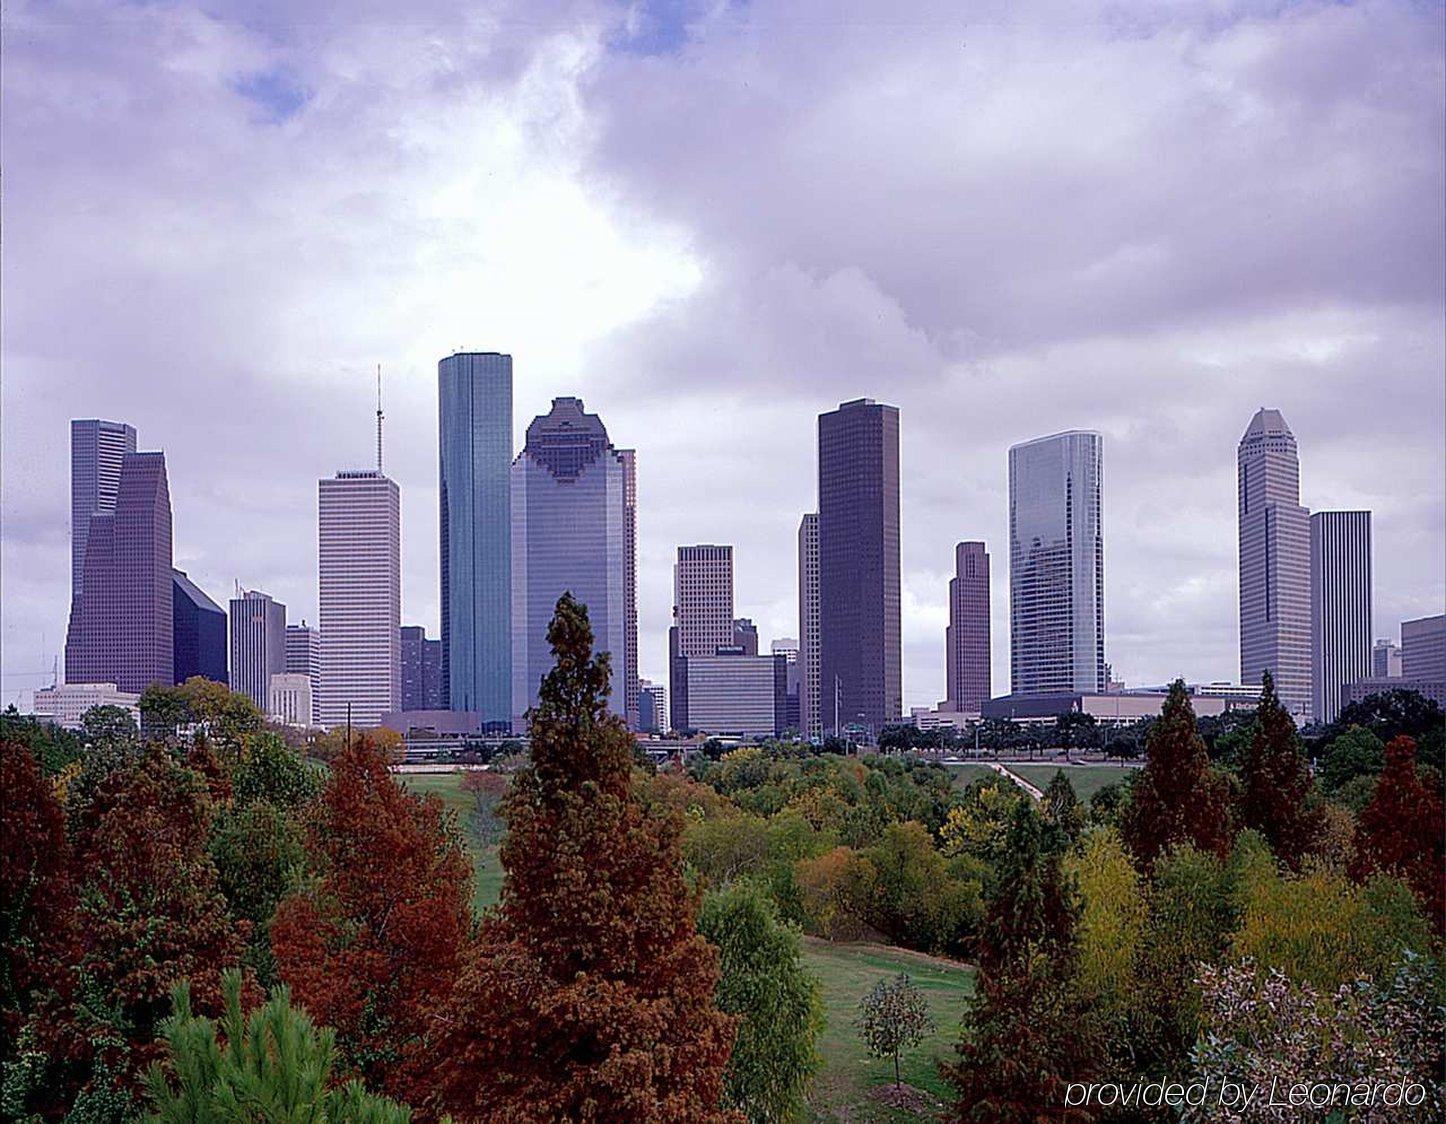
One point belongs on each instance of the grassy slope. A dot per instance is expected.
(1087, 779)
(965, 775)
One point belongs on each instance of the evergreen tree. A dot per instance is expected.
(590, 996)
(1176, 798)
(1276, 782)
(1061, 807)
(1402, 831)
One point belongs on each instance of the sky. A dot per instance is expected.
(712, 222)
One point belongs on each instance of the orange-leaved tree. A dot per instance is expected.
(1402, 831)
(590, 994)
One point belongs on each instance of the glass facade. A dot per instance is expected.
(96, 449)
(474, 403)
(199, 632)
(1057, 565)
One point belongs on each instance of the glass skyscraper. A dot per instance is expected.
(966, 640)
(199, 630)
(569, 534)
(1057, 565)
(96, 449)
(474, 406)
(1340, 619)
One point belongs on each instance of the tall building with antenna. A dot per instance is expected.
(360, 579)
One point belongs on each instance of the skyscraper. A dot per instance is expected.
(421, 670)
(1423, 648)
(1340, 583)
(860, 663)
(702, 616)
(198, 632)
(1057, 565)
(474, 404)
(360, 571)
(1274, 532)
(810, 721)
(745, 636)
(96, 450)
(258, 644)
(569, 534)
(787, 647)
(121, 624)
(966, 640)
(303, 657)
(629, 458)
(1385, 660)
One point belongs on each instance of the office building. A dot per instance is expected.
(810, 716)
(421, 670)
(652, 707)
(1057, 565)
(629, 459)
(65, 704)
(860, 663)
(734, 695)
(1423, 648)
(258, 644)
(1274, 531)
(791, 720)
(288, 698)
(198, 637)
(1385, 660)
(121, 627)
(303, 656)
(966, 639)
(1431, 687)
(474, 406)
(745, 636)
(360, 580)
(703, 599)
(1340, 582)
(569, 535)
(97, 448)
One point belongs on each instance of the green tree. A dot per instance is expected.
(1111, 931)
(1356, 753)
(272, 771)
(1277, 789)
(109, 725)
(978, 823)
(260, 858)
(921, 899)
(778, 1002)
(893, 1017)
(53, 747)
(1061, 807)
(273, 1067)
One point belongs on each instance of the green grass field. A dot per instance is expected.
(1087, 779)
(965, 775)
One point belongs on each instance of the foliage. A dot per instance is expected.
(835, 889)
(893, 1017)
(486, 788)
(1356, 753)
(1397, 713)
(272, 771)
(108, 725)
(1176, 798)
(722, 850)
(1111, 929)
(1062, 808)
(259, 859)
(53, 747)
(227, 717)
(1108, 806)
(372, 946)
(591, 993)
(1276, 782)
(274, 1067)
(1403, 831)
(978, 822)
(1031, 904)
(920, 899)
(775, 998)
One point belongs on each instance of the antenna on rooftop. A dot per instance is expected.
(379, 418)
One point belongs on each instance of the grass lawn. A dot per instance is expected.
(1087, 779)
(486, 870)
(841, 1089)
(965, 775)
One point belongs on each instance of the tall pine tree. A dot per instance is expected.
(1402, 831)
(1177, 798)
(590, 996)
(1276, 782)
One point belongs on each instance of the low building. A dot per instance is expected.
(1107, 710)
(441, 723)
(736, 694)
(942, 718)
(289, 698)
(66, 703)
(1433, 689)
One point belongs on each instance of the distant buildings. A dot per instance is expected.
(787, 647)
(121, 627)
(1385, 660)
(652, 707)
(732, 694)
(1423, 648)
(569, 534)
(860, 661)
(360, 584)
(1275, 591)
(303, 657)
(65, 704)
(810, 716)
(1057, 565)
(702, 617)
(966, 640)
(1340, 581)
(97, 448)
(745, 636)
(289, 698)
(474, 398)
(422, 687)
(258, 644)
(198, 632)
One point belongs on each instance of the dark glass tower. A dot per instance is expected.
(96, 449)
(199, 631)
(966, 640)
(474, 404)
(860, 677)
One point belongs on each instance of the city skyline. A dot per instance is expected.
(714, 325)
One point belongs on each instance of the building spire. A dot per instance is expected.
(379, 419)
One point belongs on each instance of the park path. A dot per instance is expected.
(1016, 778)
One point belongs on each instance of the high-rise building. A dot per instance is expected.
(703, 599)
(121, 625)
(966, 640)
(474, 405)
(787, 647)
(1057, 565)
(569, 534)
(258, 644)
(1340, 582)
(732, 694)
(1385, 660)
(1423, 648)
(303, 657)
(289, 698)
(421, 670)
(96, 450)
(810, 716)
(629, 458)
(1275, 630)
(745, 636)
(652, 707)
(360, 571)
(860, 661)
(198, 632)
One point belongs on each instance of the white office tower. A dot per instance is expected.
(1340, 582)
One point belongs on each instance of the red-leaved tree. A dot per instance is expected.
(1276, 782)
(1402, 831)
(591, 994)
(371, 947)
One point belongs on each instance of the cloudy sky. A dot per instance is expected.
(713, 221)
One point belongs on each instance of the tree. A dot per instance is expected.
(835, 889)
(272, 771)
(1356, 753)
(1394, 714)
(53, 747)
(1030, 905)
(1061, 807)
(893, 1017)
(108, 725)
(259, 857)
(1277, 785)
(1076, 730)
(273, 1067)
(778, 1003)
(590, 994)
(373, 945)
(978, 822)
(1403, 831)
(487, 788)
(1177, 798)
(921, 899)
(1111, 930)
